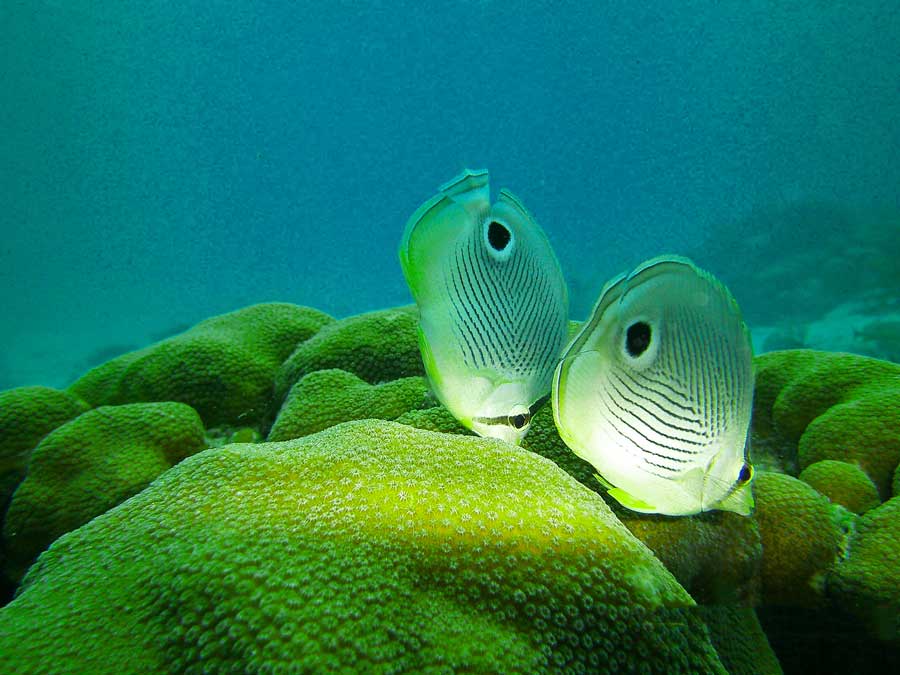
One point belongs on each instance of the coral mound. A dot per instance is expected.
(843, 483)
(27, 414)
(324, 398)
(812, 406)
(370, 547)
(89, 465)
(867, 583)
(377, 347)
(223, 367)
(802, 534)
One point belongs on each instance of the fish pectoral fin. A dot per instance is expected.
(740, 501)
(630, 502)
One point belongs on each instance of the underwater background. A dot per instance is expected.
(163, 162)
(173, 174)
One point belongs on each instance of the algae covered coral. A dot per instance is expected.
(378, 546)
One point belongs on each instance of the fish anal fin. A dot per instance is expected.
(605, 483)
(630, 502)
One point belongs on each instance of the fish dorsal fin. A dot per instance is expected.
(440, 215)
(612, 291)
(472, 190)
(669, 263)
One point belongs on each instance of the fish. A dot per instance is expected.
(493, 305)
(656, 391)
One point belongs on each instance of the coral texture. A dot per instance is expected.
(369, 547)
(89, 465)
(324, 398)
(222, 367)
(811, 406)
(843, 483)
(802, 534)
(27, 414)
(867, 583)
(378, 347)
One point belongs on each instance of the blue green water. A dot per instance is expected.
(164, 162)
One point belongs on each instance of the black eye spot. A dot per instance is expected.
(746, 473)
(498, 236)
(637, 338)
(518, 421)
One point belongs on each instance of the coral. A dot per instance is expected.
(716, 556)
(27, 414)
(739, 640)
(369, 547)
(802, 534)
(89, 465)
(437, 418)
(543, 439)
(843, 483)
(377, 347)
(324, 398)
(867, 582)
(774, 371)
(896, 486)
(819, 405)
(245, 435)
(222, 367)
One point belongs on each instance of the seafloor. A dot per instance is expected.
(277, 491)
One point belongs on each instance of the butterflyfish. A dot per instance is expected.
(656, 391)
(492, 301)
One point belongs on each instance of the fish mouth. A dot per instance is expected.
(518, 417)
(513, 426)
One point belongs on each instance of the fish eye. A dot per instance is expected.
(637, 338)
(498, 236)
(518, 421)
(746, 474)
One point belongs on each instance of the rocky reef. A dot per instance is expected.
(275, 491)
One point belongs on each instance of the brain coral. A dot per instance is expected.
(812, 406)
(843, 483)
(377, 347)
(867, 582)
(369, 547)
(802, 536)
(324, 398)
(222, 367)
(89, 465)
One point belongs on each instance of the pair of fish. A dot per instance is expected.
(655, 390)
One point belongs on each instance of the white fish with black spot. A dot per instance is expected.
(656, 391)
(492, 301)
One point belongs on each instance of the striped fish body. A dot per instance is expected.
(492, 305)
(656, 391)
